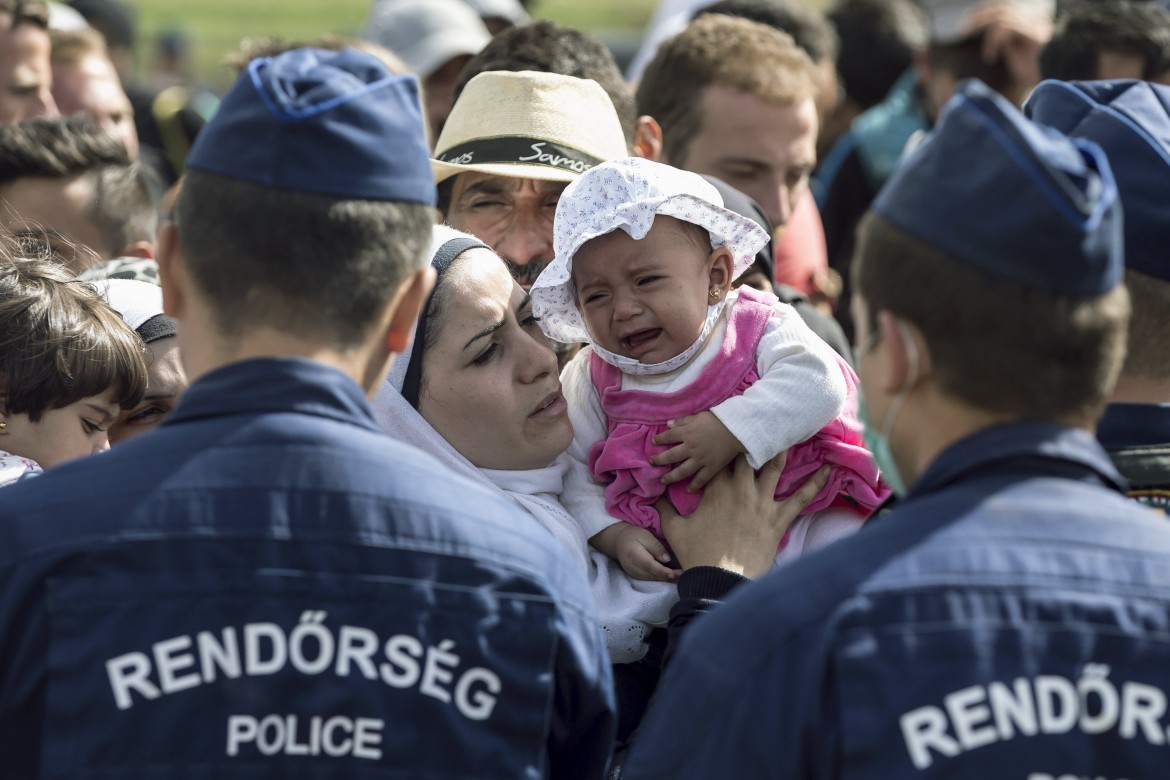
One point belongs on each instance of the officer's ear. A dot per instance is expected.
(171, 272)
(907, 359)
(405, 308)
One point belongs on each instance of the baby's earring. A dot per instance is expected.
(715, 293)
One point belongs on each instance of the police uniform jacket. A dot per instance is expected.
(1009, 619)
(267, 586)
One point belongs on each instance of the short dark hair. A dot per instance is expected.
(1149, 327)
(61, 342)
(34, 12)
(878, 41)
(723, 50)
(114, 19)
(964, 60)
(1087, 29)
(75, 146)
(547, 47)
(313, 265)
(994, 344)
(809, 29)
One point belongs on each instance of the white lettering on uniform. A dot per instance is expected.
(968, 712)
(169, 659)
(403, 651)
(479, 706)
(222, 655)
(357, 645)
(337, 737)
(926, 728)
(1056, 703)
(241, 728)
(978, 716)
(434, 675)
(366, 738)
(130, 672)
(254, 662)
(333, 748)
(310, 648)
(1142, 705)
(1013, 709)
(270, 725)
(1095, 683)
(310, 628)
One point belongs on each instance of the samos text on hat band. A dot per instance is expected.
(521, 151)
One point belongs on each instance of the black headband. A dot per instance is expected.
(519, 150)
(160, 326)
(440, 262)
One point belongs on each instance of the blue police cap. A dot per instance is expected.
(328, 123)
(1130, 120)
(993, 190)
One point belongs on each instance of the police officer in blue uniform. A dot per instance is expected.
(1008, 617)
(266, 586)
(1130, 120)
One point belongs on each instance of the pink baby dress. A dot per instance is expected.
(634, 417)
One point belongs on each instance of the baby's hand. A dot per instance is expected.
(705, 447)
(637, 550)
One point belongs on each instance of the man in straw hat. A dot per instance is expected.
(1006, 618)
(267, 586)
(512, 143)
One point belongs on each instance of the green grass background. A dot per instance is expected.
(215, 27)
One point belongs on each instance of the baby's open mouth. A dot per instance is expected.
(639, 339)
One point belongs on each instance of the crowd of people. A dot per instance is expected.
(444, 402)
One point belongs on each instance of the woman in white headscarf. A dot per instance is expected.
(487, 402)
(140, 304)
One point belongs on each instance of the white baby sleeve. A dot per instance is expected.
(800, 390)
(583, 496)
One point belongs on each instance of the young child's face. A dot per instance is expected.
(648, 299)
(79, 429)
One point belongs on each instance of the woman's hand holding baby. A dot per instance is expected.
(637, 550)
(704, 448)
(739, 523)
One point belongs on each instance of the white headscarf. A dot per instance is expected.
(627, 608)
(136, 301)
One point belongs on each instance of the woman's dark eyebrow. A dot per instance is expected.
(490, 329)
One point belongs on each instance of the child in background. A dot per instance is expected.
(68, 364)
(682, 373)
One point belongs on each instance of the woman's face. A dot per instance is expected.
(490, 385)
(165, 383)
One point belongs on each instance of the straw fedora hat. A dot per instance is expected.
(530, 125)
